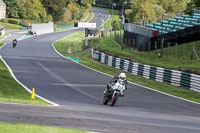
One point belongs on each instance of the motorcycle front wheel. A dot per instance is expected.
(114, 100)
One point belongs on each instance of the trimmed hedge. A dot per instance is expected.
(14, 21)
(5, 20)
(11, 20)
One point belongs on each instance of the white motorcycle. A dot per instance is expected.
(113, 94)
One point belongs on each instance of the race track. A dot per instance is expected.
(79, 92)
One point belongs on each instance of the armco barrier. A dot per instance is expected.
(177, 78)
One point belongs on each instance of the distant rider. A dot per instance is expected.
(121, 78)
(14, 43)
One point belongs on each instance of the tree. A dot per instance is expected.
(191, 5)
(173, 5)
(27, 9)
(196, 3)
(116, 25)
(119, 3)
(36, 11)
(79, 7)
(146, 9)
(74, 10)
(142, 9)
(55, 8)
(104, 2)
(159, 10)
(15, 8)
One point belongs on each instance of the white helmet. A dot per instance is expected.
(122, 77)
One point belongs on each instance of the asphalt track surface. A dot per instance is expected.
(79, 92)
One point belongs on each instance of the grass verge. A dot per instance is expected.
(75, 42)
(173, 90)
(30, 128)
(88, 61)
(90, 15)
(59, 29)
(10, 26)
(1, 37)
(11, 91)
(1, 44)
(170, 62)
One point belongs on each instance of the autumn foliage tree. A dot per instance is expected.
(46, 10)
(27, 9)
(55, 8)
(143, 9)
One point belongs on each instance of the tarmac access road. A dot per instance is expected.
(13, 34)
(79, 92)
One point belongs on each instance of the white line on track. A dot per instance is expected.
(145, 87)
(79, 85)
(128, 81)
(25, 87)
(24, 104)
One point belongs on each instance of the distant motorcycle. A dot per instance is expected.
(14, 43)
(113, 94)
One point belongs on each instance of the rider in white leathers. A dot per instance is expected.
(122, 78)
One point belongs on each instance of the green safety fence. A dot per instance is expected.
(173, 77)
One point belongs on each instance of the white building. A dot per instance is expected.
(2, 10)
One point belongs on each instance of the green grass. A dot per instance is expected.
(1, 44)
(74, 41)
(30, 128)
(115, 16)
(11, 91)
(90, 15)
(10, 26)
(173, 90)
(88, 61)
(170, 62)
(1, 37)
(59, 29)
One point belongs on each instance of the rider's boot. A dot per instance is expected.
(108, 87)
(121, 94)
(105, 92)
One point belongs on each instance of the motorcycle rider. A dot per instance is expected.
(121, 78)
(14, 43)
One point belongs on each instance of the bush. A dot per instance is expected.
(11, 20)
(116, 25)
(5, 20)
(14, 21)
